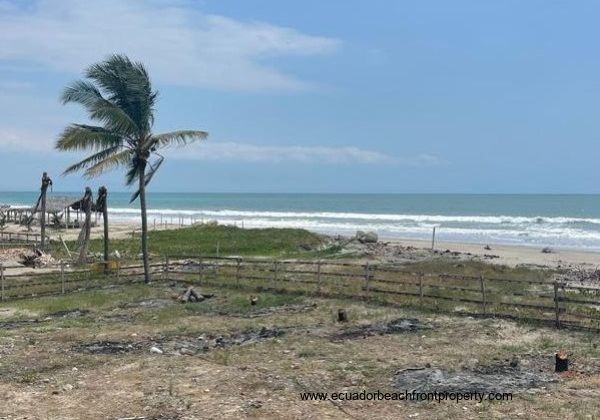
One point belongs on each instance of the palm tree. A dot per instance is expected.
(118, 95)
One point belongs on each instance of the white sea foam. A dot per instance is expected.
(417, 218)
(555, 231)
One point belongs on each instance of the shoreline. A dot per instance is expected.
(512, 255)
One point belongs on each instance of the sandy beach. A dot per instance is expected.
(513, 255)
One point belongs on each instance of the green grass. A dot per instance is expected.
(480, 268)
(96, 299)
(230, 240)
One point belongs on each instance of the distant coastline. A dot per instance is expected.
(531, 220)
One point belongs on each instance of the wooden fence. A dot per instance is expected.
(557, 303)
(66, 280)
(21, 237)
(550, 302)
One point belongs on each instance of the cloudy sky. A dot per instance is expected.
(322, 96)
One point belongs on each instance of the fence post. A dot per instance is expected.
(556, 306)
(319, 277)
(2, 280)
(166, 270)
(62, 277)
(275, 267)
(367, 280)
(483, 297)
(237, 271)
(199, 269)
(421, 289)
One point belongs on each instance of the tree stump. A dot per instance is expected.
(561, 361)
(342, 316)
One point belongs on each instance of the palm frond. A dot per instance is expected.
(86, 137)
(178, 138)
(114, 160)
(99, 108)
(127, 85)
(92, 160)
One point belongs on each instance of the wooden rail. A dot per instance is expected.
(556, 302)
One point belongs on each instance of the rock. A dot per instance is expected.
(187, 351)
(156, 350)
(366, 237)
(547, 250)
(115, 255)
(67, 387)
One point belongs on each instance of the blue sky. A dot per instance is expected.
(322, 96)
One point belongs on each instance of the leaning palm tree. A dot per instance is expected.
(118, 95)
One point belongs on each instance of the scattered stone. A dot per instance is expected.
(547, 250)
(156, 350)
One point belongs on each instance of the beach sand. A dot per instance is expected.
(513, 255)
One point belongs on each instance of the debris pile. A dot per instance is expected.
(506, 376)
(27, 257)
(190, 295)
(36, 258)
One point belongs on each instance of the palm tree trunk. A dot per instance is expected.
(144, 224)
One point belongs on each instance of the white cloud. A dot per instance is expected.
(179, 44)
(243, 152)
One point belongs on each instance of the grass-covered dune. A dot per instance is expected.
(229, 240)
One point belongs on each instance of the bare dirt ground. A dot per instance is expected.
(134, 352)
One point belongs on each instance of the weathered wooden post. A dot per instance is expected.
(199, 268)
(556, 306)
(319, 277)
(46, 182)
(166, 269)
(433, 239)
(2, 280)
(62, 277)
(561, 361)
(421, 289)
(84, 235)
(101, 203)
(237, 271)
(275, 269)
(483, 296)
(367, 284)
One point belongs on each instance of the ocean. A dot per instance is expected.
(562, 221)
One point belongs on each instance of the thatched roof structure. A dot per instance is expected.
(57, 204)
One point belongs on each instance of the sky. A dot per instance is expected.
(381, 96)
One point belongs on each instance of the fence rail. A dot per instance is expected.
(552, 302)
(21, 237)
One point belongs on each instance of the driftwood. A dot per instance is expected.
(190, 295)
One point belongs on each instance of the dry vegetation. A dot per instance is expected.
(132, 351)
(88, 355)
